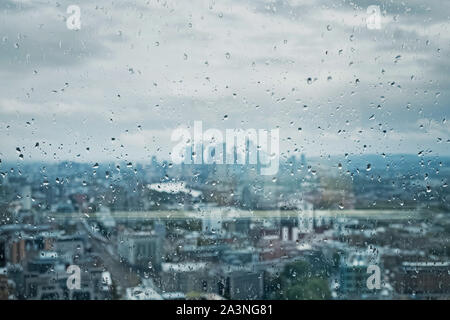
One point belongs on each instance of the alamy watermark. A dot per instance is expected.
(73, 22)
(374, 280)
(260, 147)
(74, 280)
(373, 17)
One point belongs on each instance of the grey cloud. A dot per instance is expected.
(35, 36)
(164, 90)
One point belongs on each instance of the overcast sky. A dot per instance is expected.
(136, 70)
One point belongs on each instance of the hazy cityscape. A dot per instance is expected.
(159, 231)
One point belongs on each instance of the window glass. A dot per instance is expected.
(224, 149)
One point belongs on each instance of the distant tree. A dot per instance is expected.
(312, 289)
(193, 295)
(296, 272)
(274, 288)
(299, 281)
